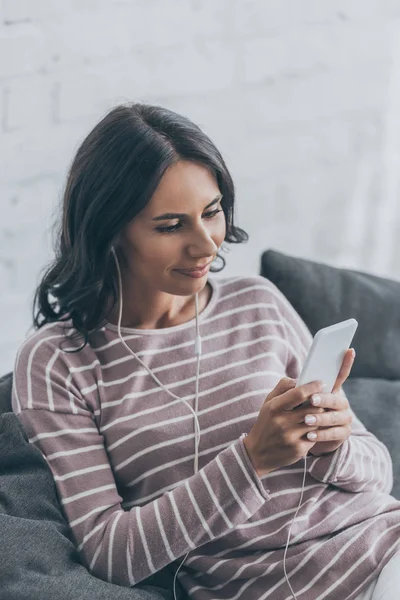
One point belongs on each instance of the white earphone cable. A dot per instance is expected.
(197, 352)
(295, 515)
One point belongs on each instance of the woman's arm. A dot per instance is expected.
(123, 547)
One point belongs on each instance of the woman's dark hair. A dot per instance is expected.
(114, 174)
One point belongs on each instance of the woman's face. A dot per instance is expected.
(153, 255)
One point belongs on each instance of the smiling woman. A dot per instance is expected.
(149, 198)
(163, 267)
(138, 163)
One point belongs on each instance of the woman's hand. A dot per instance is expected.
(278, 437)
(333, 426)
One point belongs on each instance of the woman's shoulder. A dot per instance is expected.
(54, 347)
(48, 363)
(249, 288)
(48, 338)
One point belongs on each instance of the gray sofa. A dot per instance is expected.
(39, 560)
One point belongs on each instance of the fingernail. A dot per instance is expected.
(315, 400)
(353, 352)
(312, 435)
(310, 419)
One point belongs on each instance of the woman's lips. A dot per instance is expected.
(195, 273)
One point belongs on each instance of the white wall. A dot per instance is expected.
(301, 97)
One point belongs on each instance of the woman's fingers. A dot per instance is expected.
(330, 401)
(339, 433)
(293, 397)
(330, 418)
(345, 369)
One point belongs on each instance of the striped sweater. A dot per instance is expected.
(121, 451)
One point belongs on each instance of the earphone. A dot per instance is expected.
(197, 346)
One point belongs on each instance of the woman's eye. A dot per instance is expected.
(173, 228)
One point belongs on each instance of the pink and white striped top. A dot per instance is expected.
(121, 451)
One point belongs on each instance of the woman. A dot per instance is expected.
(148, 484)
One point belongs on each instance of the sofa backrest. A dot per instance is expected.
(5, 392)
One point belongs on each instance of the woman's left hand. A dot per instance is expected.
(333, 426)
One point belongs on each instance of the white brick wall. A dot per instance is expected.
(22, 50)
(302, 98)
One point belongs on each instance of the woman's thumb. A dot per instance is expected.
(284, 385)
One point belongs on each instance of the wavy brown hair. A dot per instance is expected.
(114, 174)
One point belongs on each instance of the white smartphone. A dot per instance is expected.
(326, 354)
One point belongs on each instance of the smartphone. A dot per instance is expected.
(326, 354)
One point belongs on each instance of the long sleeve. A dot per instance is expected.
(362, 462)
(122, 546)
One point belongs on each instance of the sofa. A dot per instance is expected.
(39, 560)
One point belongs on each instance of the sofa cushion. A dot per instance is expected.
(5, 393)
(376, 402)
(39, 560)
(323, 295)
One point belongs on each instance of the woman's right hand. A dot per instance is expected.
(278, 437)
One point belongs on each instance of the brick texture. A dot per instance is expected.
(302, 99)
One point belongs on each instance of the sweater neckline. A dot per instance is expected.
(165, 330)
